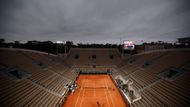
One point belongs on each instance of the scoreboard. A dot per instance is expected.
(128, 45)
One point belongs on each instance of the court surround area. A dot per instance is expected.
(95, 91)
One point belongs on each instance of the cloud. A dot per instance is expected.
(100, 21)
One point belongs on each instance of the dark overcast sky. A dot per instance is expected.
(94, 21)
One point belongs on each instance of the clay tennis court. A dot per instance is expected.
(95, 91)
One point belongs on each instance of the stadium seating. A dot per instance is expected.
(43, 87)
(86, 59)
(155, 90)
(33, 78)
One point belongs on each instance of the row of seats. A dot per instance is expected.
(47, 75)
(104, 57)
(45, 85)
(156, 91)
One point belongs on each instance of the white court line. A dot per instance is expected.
(106, 95)
(109, 92)
(94, 91)
(83, 93)
(79, 93)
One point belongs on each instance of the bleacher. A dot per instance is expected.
(33, 78)
(81, 57)
(154, 89)
(44, 83)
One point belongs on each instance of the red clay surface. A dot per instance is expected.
(95, 91)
